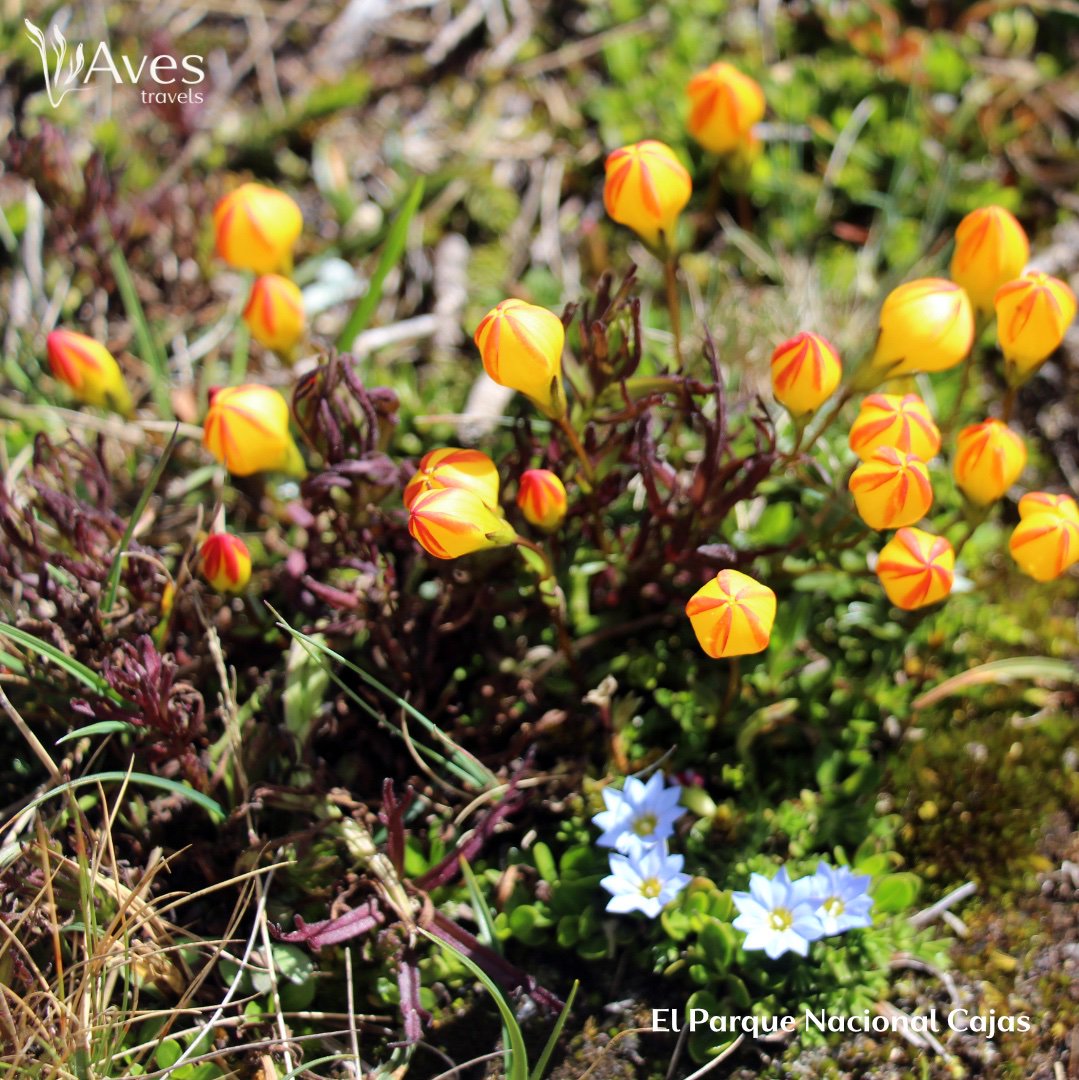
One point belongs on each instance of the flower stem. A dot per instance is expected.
(670, 267)
(551, 593)
(578, 448)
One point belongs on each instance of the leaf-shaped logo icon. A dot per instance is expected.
(58, 82)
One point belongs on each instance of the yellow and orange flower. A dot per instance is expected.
(456, 467)
(916, 569)
(274, 313)
(646, 189)
(541, 497)
(225, 562)
(724, 106)
(1044, 502)
(1045, 544)
(891, 489)
(89, 369)
(247, 430)
(256, 228)
(925, 325)
(732, 615)
(805, 372)
(902, 421)
(991, 248)
(989, 458)
(450, 522)
(521, 345)
(1033, 315)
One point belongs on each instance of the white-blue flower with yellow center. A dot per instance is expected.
(841, 897)
(776, 917)
(645, 880)
(639, 815)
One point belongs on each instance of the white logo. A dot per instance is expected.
(58, 83)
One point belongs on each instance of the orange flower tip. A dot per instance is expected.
(256, 228)
(891, 489)
(925, 325)
(225, 562)
(991, 248)
(901, 421)
(247, 430)
(646, 188)
(541, 497)
(450, 522)
(916, 569)
(732, 615)
(989, 458)
(274, 313)
(805, 372)
(1033, 315)
(453, 466)
(1045, 544)
(724, 106)
(521, 347)
(88, 369)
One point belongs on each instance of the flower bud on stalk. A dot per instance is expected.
(89, 369)
(916, 569)
(1033, 315)
(256, 228)
(1046, 544)
(899, 420)
(991, 248)
(805, 372)
(247, 430)
(732, 615)
(989, 458)
(275, 315)
(454, 467)
(225, 562)
(541, 497)
(891, 489)
(450, 522)
(925, 325)
(725, 104)
(646, 189)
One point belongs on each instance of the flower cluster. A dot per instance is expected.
(637, 823)
(781, 915)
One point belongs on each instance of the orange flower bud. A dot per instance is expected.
(805, 372)
(725, 104)
(456, 468)
(450, 522)
(256, 228)
(541, 497)
(646, 189)
(925, 325)
(274, 313)
(732, 615)
(89, 369)
(1042, 502)
(1033, 314)
(989, 458)
(899, 420)
(990, 249)
(891, 489)
(916, 569)
(225, 562)
(521, 346)
(1045, 545)
(247, 430)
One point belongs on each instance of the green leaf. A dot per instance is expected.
(556, 1031)
(999, 672)
(306, 681)
(896, 893)
(392, 251)
(102, 727)
(485, 918)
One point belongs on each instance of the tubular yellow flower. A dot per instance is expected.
(1045, 545)
(725, 104)
(1043, 502)
(925, 325)
(256, 228)
(247, 430)
(450, 522)
(991, 248)
(274, 313)
(805, 372)
(916, 569)
(891, 489)
(1033, 315)
(541, 497)
(89, 369)
(521, 346)
(225, 562)
(732, 615)
(646, 189)
(899, 420)
(989, 458)
(454, 467)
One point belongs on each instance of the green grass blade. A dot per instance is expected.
(392, 251)
(76, 670)
(556, 1033)
(517, 1064)
(102, 727)
(1000, 672)
(108, 595)
(485, 918)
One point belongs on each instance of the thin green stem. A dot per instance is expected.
(670, 269)
(578, 448)
(552, 595)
